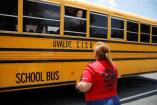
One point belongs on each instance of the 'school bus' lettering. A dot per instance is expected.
(30, 77)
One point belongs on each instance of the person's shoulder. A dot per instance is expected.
(92, 64)
(89, 68)
(114, 66)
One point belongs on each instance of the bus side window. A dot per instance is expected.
(154, 34)
(132, 31)
(75, 22)
(8, 15)
(41, 17)
(145, 33)
(98, 25)
(117, 28)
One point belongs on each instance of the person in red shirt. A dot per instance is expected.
(99, 79)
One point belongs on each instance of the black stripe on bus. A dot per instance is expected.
(127, 51)
(72, 38)
(36, 85)
(132, 74)
(120, 59)
(45, 61)
(67, 60)
(69, 50)
(44, 50)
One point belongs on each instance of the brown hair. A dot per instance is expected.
(102, 51)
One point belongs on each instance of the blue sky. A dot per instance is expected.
(147, 8)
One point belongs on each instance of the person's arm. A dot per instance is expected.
(84, 86)
(86, 81)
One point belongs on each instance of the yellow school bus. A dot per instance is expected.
(45, 43)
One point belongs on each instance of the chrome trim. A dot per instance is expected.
(8, 15)
(74, 17)
(132, 32)
(43, 2)
(145, 33)
(132, 21)
(117, 18)
(98, 14)
(41, 18)
(74, 32)
(117, 29)
(98, 27)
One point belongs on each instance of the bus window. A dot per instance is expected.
(154, 34)
(145, 33)
(75, 22)
(39, 17)
(132, 31)
(8, 15)
(98, 25)
(117, 28)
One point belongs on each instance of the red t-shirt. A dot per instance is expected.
(103, 78)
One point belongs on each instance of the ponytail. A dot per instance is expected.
(103, 52)
(109, 59)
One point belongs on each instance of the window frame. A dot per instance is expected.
(101, 14)
(142, 33)
(11, 16)
(133, 21)
(84, 34)
(153, 34)
(41, 18)
(105, 28)
(118, 18)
